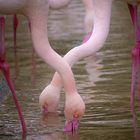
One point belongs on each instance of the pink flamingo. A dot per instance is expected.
(100, 19)
(97, 23)
(37, 13)
(34, 11)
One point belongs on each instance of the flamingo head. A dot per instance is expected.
(49, 99)
(74, 110)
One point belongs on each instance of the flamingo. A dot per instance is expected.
(36, 12)
(97, 23)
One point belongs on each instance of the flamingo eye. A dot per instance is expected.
(76, 115)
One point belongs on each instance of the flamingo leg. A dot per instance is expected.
(139, 72)
(4, 67)
(135, 51)
(5, 70)
(2, 47)
(134, 64)
(15, 25)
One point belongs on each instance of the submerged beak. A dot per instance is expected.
(71, 126)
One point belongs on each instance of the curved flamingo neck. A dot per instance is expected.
(96, 41)
(88, 4)
(41, 44)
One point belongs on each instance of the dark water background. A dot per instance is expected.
(103, 80)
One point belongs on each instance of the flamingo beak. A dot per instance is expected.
(71, 126)
(45, 109)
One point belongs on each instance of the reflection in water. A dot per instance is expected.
(104, 85)
(93, 67)
(52, 136)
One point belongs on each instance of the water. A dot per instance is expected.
(103, 80)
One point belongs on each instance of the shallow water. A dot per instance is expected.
(103, 80)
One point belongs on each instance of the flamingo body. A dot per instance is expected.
(11, 6)
(18, 6)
